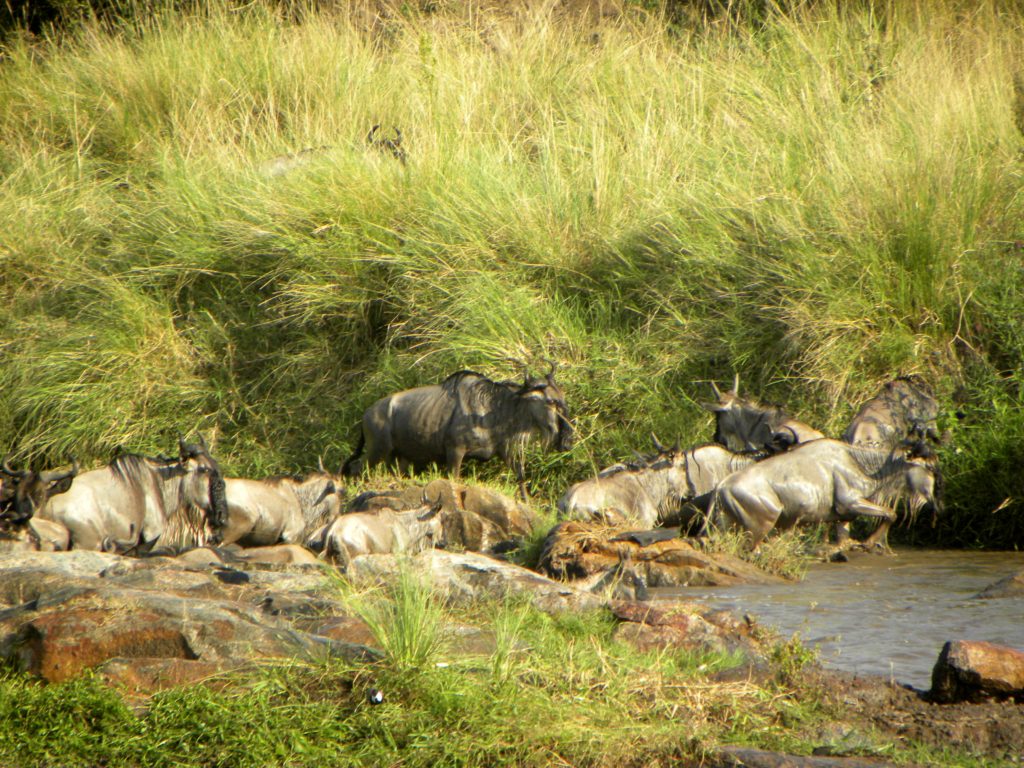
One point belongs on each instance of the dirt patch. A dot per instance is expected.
(900, 714)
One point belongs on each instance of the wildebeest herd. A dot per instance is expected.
(764, 470)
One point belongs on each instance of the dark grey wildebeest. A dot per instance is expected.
(743, 424)
(139, 503)
(669, 488)
(467, 416)
(25, 490)
(823, 481)
(905, 408)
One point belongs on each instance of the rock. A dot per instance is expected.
(146, 676)
(576, 550)
(649, 626)
(1011, 586)
(973, 671)
(78, 610)
(278, 554)
(748, 757)
(470, 576)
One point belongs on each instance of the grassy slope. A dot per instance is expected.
(820, 203)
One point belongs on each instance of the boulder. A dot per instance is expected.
(661, 625)
(1010, 586)
(78, 610)
(974, 671)
(575, 550)
(146, 676)
(468, 576)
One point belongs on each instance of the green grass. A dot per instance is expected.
(819, 200)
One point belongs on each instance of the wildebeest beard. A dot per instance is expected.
(218, 513)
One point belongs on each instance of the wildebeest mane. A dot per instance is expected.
(134, 467)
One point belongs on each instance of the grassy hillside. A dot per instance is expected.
(818, 201)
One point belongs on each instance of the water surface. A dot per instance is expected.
(885, 615)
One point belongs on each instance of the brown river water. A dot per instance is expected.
(887, 615)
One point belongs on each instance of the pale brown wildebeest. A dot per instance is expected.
(381, 532)
(278, 510)
(138, 503)
(823, 481)
(743, 425)
(669, 488)
(467, 416)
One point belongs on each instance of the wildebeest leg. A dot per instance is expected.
(870, 509)
(880, 537)
(755, 513)
(453, 458)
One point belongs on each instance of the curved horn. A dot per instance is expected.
(182, 448)
(554, 367)
(717, 392)
(8, 470)
(657, 443)
(398, 136)
(736, 384)
(52, 477)
(369, 136)
(320, 464)
(203, 445)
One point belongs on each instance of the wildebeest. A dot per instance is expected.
(381, 532)
(640, 493)
(26, 491)
(745, 425)
(905, 408)
(823, 481)
(138, 502)
(467, 416)
(278, 510)
(655, 490)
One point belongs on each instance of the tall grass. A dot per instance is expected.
(820, 200)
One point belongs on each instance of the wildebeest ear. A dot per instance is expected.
(428, 514)
(182, 449)
(713, 407)
(61, 486)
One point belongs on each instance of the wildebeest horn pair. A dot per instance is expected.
(735, 388)
(661, 448)
(392, 145)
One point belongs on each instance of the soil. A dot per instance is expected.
(873, 705)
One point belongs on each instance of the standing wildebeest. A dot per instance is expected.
(467, 416)
(904, 409)
(373, 533)
(745, 425)
(278, 510)
(139, 502)
(823, 481)
(656, 490)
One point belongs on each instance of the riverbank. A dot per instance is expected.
(193, 661)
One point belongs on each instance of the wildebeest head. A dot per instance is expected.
(204, 484)
(744, 425)
(547, 408)
(924, 479)
(29, 490)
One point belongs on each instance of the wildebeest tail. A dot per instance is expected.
(348, 468)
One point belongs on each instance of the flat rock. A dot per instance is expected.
(146, 676)
(575, 550)
(1011, 586)
(748, 757)
(468, 576)
(649, 626)
(974, 671)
